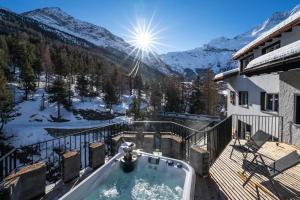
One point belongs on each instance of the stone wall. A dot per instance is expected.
(28, 183)
(199, 160)
(289, 87)
(171, 146)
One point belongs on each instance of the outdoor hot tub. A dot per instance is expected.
(154, 177)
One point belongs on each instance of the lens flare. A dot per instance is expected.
(144, 39)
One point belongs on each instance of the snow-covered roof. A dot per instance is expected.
(276, 30)
(276, 55)
(227, 74)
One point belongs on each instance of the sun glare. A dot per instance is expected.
(144, 39)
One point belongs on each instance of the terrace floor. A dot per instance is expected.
(226, 179)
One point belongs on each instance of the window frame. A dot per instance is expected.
(295, 108)
(232, 97)
(245, 104)
(264, 50)
(273, 102)
(247, 59)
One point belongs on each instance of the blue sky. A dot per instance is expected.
(186, 24)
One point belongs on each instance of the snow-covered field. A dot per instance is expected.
(29, 125)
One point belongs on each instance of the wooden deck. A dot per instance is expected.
(226, 174)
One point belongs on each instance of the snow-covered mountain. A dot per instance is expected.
(60, 20)
(217, 53)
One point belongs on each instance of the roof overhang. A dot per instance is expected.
(282, 27)
(227, 74)
(288, 63)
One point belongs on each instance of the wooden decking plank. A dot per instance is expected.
(237, 168)
(225, 172)
(233, 190)
(234, 178)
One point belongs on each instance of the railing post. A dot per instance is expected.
(85, 150)
(281, 121)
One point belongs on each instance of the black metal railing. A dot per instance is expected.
(214, 137)
(218, 138)
(51, 151)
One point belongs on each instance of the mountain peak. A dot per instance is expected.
(97, 35)
(218, 52)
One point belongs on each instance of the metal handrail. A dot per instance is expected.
(75, 134)
(7, 154)
(206, 131)
(166, 122)
(52, 149)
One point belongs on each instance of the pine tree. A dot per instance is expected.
(135, 109)
(61, 62)
(58, 93)
(172, 92)
(98, 76)
(5, 101)
(196, 101)
(37, 68)
(155, 96)
(4, 56)
(28, 79)
(210, 93)
(82, 86)
(46, 62)
(138, 85)
(109, 90)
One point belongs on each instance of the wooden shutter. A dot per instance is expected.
(262, 101)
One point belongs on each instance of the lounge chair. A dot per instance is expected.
(275, 168)
(255, 142)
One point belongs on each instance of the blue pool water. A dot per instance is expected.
(147, 181)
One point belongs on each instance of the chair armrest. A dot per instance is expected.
(272, 166)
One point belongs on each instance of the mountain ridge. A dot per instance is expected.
(217, 53)
(98, 35)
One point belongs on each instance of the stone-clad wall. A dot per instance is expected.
(289, 86)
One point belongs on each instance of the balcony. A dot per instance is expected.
(224, 180)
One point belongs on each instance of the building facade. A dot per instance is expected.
(267, 80)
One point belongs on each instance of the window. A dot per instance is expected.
(269, 102)
(270, 48)
(243, 98)
(297, 109)
(245, 61)
(272, 102)
(243, 129)
(232, 97)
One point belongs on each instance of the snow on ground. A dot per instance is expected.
(29, 127)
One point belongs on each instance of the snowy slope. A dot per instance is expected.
(28, 126)
(217, 54)
(60, 20)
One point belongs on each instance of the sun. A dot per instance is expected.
(144, 40)
(143, 37)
